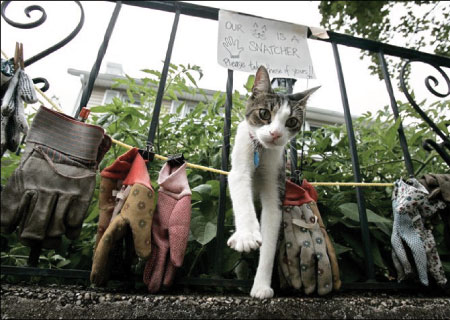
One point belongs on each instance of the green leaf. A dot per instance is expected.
(215, 187)
(203, 189)
(340, 249)
(350, 210)
(203, 230)
(93, 213)
(62, 263)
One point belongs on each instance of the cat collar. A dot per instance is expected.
(257, 147)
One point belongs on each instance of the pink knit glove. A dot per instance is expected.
(170, 228)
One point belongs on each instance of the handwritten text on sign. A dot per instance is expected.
(246, 42)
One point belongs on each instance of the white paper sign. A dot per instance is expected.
(246, 42)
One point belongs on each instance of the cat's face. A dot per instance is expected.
(274, 118)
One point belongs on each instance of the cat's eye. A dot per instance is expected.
(291, 122)
(264, 114)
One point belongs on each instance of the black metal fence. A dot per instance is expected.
(336, 40)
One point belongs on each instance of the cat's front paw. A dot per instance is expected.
(245, 241)
(261, 291)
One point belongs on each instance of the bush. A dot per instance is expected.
(199, 137)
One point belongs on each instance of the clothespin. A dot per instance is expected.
(176, 160)
(18, 57)
(296, 177)
(147, 154)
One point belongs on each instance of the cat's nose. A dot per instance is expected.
(275, 134)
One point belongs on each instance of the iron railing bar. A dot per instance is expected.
(339, 38)
(162, 82)
(101, 53)
(356, 170)
(185, 8)
(218, 261)
(57, 273)
(391, 50)
(401, 133)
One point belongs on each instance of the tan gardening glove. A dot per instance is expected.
(134, 208)
(306, 257)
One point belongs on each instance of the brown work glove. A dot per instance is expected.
(134, 208)
(49, 194)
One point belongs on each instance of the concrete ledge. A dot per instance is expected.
(77, 302)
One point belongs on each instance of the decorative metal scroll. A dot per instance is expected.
(430, 82)
(42, 80)
(40, 21)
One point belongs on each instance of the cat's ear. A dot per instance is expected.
(262, 81)
(302, 97)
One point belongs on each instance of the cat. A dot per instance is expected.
(258, 169)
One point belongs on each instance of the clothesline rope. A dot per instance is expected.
(196, 166)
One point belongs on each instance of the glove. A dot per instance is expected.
(304, 242)
(111, 179)
(330, 248)
(48, 195)
(170, 230)
(410, 204)
(13, 121)
(135, 206)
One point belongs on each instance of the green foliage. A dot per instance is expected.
(199, 137)
(416, 25)
(381, 160)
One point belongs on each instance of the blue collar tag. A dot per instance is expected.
(256, 158)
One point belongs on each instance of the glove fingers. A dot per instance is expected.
(292, 248)
(307, 256)
(14, 203)
(169, 276)
(330, 249)
(324, 277)
(156, 277)
(34, 226)
(105, 205)
(179, 223)
(434, 262)
(21, 121)
(398, 267)
(74, 218)
(404, 268)
(138, 209)
(415, 243)
(283, 269)
(150, 265)
(115, 231)
(12, 134)
(56, 226)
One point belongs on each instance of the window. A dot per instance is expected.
(109, 95)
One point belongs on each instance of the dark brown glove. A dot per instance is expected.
(48, 195)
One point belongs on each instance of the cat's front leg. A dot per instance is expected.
(270, 223)
(272, 187)
(247, 236)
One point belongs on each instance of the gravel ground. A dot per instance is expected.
(78, 302)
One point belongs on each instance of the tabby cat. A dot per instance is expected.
(258, 170)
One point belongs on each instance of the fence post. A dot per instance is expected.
(370, 273)
(162, 82)
(223, 179)
(401, 133)
(98, 62)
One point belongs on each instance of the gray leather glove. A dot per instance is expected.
(13, 121)
(48, 195)
(410, 205)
